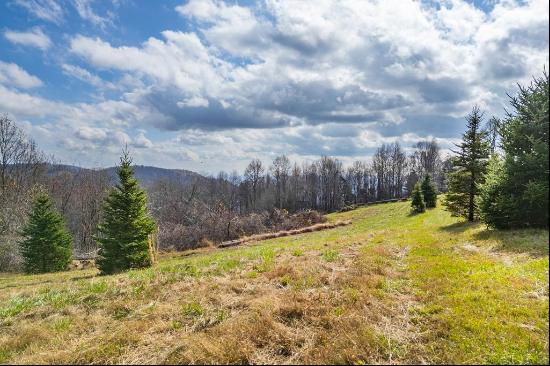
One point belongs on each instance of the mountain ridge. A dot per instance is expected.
(147, 175)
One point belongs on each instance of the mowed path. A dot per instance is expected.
(390, 288)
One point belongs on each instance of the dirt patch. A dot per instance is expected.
(280, 234)
(470, 248)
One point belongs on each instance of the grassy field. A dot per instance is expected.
(390, 288)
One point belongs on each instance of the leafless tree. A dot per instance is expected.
(78, 195)
(426, 159)
(280, 170)
(253, 176)
(21, 167)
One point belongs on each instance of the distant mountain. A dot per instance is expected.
(146, 175)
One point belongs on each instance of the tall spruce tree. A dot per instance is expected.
(417, 200)
(46, 246)
(516, 193)
(123, 236)
(429, 192)
(469, 167)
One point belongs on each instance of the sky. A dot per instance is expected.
(209, 85)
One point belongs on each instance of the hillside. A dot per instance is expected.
(146, 175)
(390, 288)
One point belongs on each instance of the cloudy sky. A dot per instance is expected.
(207, 85)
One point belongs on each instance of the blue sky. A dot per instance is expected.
(209, 85)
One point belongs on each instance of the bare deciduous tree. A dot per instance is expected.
(21, 166)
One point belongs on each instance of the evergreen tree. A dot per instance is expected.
(429, 192)
(469, 167)
(493, 208)
(123, 235)
(417, 202)
(46, 246)
(516, 195)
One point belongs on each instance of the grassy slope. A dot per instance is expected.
(390, 288)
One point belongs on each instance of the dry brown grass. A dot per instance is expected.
(82, 264)
(302, 310)
(377, 291)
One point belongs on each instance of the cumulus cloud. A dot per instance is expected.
(302, 78)
(32, 37)
(141, 141)
(185, 61)
(13, 75)
(299, 63)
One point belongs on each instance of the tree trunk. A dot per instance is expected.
(471, 201)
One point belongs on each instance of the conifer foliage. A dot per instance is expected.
(429, 192)
(46, 244)
(126, 227)
(516, 192)
(469, 168)
(417, 202)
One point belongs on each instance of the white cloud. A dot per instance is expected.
(203, 10)
(302, 78)
(185, 61)
(460, 20)
(32, 37)
(193, 102)
(141, 141)
(26, 105)
(86, 12)
(49, 10)
(91, 134)
(13, 75)
(86, 76)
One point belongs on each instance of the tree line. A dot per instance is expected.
(325, 184)
(285, 193)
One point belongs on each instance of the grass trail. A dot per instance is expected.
(390, 288)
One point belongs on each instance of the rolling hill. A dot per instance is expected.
(146, 175)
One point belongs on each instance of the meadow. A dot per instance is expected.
(392, 287)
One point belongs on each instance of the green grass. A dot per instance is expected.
(330, 255)
(390, 288)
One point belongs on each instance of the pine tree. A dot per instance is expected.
(46, 246)
(469, 167)
(516, 193)
(417, 202)
(123, 236)
(429, 192)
